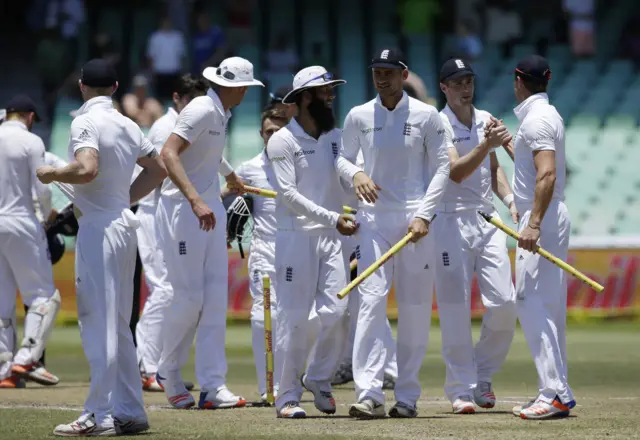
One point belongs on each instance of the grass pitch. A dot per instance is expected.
(604, 361)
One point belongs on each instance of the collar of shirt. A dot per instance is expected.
(13, 123)
(172, 112)
(218, 104)
(525, 106)
(404, 102)
(453, 119)
(104, 102)
(297, 130)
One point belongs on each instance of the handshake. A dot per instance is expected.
(496, 134)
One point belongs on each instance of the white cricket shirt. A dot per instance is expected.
(541, 128)
(202, 123)
(166, 50)
(404, 151)
(475, 191)
(46, 196)
(257, 172)
(119, 142)
(21, 153)
(310, 195)
(158, 135)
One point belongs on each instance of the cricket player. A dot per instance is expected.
(257, 172)
(149, 328)
(406, 169)
(310, 263)
(104, 147)
(541, 287)
(465, 243)
(25, 263)
(191, 223)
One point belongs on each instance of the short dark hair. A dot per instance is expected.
(275, 115)
(533, 86)
(188, 85)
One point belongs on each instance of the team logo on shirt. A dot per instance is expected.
(256, 276)
(304, 153)
(289, 274)
(334, 149)
(407, 129)
(84, 136)
(369, 130)
(445, 258)
(460, 139)
(358, 252)
(182, 248)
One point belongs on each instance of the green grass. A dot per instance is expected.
(604, 361)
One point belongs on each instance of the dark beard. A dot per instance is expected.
(322, 115)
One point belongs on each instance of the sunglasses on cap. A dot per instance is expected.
(328, 76)
(226, 75)
(275, 98)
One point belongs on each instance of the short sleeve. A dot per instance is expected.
(539, 135)
(448, 131)
(147, 148)
(84, 134)
(192, 121)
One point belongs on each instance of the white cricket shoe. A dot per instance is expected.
(291, 410)
(322, 399)
(36, 373)
(540, 410)
(483, 395)
(518, 408)
(223, 399)
(367, 409)
(463, 405)
(85, 426)
(402, 410)
(130, 427)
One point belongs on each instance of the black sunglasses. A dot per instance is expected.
(226, 75)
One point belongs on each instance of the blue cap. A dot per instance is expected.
(534, 68)
(98, 73)
(22, 104)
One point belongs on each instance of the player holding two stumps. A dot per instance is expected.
(541, 287)
(465, 243)
(405, 152)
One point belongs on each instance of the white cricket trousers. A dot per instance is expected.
(411, 272)
(466, 243)
(262, 262)
(25, 265)
(541, 297)
(309, 265)
(149, 328)
(105, 264)
(197, 268)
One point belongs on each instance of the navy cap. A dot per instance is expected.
(390, 59)
(22, 104)
(279, 95)
(455, 68)
(98, 73)
(534, 68)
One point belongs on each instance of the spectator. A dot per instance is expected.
(208, 44)
(105, 48)
(504, 24)
(415, 88)
(468, 43)
(581, 26)
(418, 16)
(54, 64)
(165, 56)
(239, 22)
(318, 57)
(68, 15)
(281, 58)
(141, 107)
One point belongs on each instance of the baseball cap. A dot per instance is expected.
(308, 78)
(98, 73)
(22, 104)
(389, 58)
(535, 68)
(232, 72)
(279, 94)
(455, 68)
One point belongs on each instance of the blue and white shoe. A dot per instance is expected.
(291, 410)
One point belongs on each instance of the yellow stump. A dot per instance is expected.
(268, 336)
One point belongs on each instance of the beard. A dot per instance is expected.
(322, 115)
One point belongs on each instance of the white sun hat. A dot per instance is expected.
(232, 72)
(309, 77)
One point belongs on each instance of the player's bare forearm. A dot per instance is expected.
(464, 166)
(545, 183)
(75, 173)
(499, 182)
(508, 147)
(176, 172)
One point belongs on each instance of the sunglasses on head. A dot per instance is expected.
(226, 75)
(328, 76)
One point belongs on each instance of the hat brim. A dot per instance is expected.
(289, 98)
(383, 65)
(210, 74)
(458, 74)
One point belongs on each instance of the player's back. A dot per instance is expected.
(21, 152)
(118, 140)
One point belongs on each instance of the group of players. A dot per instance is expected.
(397, 158)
